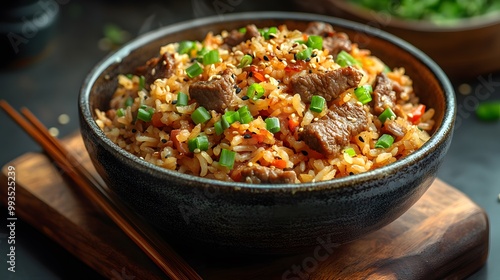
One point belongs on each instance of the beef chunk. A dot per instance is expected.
(215, 94)
(402, 92)
(329, 85)
(260, 174)
(320, 28)
(333, 41)
(334, 130)
(157, 68)
(394, 128)
(337, 43)
(383, 94)
(235, 37)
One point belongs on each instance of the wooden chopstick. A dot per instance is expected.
(111, 198)
(142, 234)
(152, 235)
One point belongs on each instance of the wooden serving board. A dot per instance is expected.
(444, 235)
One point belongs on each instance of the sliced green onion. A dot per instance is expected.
(201, 53)
(227, 158)
(225, 123)
(145, 114)
(273, 124)
(384, 142)
(194, 70)
(255, 91)
(301, 41)
(245, 61)
(129, 76)
(317, 103)
(345, 59)
(315, 42)
(120, 112)
(386, 115)
(182, 99)
(142, 82)
(231, 117)
(305, 54)
(267, 32)
(488, 111)
(221, 125)
(218, 128)
(200, 142)
(185, 47)
(211, 57)
(200, 115)
(364, 93)
(129, 102)
(242, 30)
(243, 109)
(350, 152)
(192, 144)
(245, 115)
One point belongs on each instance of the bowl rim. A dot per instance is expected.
(455, 25)
(340, 184)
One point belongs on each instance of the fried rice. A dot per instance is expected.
(146, 119)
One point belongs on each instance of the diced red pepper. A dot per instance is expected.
(293, 68)
(264, 113)
(181, 147)
(313, 154)
(235, 174)
(279, 163)
(259, 137)
(296, 67)
(416, 114)
(156, 120)
(259, 77)
(264, 162)
(256, 72)
(293, 124)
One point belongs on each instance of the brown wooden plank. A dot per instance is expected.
(444, 235)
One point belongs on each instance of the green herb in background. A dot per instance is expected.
(434, 10)
(115, 34)
(488, 111)
(114, 37)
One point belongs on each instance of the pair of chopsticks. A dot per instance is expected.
(142, 234)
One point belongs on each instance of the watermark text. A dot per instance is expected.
(11, 218)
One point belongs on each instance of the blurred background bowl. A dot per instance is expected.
(463, 48)
(26, 29)
(267, 218)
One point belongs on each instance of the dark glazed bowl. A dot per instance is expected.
(267, 218)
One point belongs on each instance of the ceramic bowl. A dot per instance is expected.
(464, 49)
(267, 218)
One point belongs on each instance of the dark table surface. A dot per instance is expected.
(49, 86)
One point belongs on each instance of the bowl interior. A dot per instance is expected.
(430, 83)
